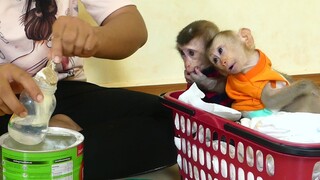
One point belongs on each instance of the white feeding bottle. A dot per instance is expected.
(32, 129)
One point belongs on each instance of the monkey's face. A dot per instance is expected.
(227, 54)
(193, 55)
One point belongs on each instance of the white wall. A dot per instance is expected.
(288, 31)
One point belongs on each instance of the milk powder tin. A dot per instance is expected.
(59, 156)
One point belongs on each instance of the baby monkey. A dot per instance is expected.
(191, 43)
(256, 88)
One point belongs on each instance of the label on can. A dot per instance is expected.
(62, 164)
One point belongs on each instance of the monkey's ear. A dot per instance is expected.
(246, 37)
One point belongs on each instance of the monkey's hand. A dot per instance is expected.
(316, 93)
(315, 90)
(277, 98)
(188, 77)
(306, 86)
(203, 81)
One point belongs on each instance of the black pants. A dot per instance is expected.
(126, 132)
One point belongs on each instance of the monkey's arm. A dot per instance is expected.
(209, 83)
(286, 76)
(220, 87)
(276, 99)
(217, 85)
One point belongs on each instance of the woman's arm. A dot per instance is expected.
(121, 34)
(124, 32)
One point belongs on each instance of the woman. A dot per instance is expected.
(126, 132)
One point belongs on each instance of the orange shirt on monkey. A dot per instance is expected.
(246, 88)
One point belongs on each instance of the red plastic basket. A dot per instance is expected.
(211, 147)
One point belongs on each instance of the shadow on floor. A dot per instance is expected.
(169, 173)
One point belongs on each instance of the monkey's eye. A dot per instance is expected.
(181, 52)
(220, 50)
(215, 60)
(191, 52)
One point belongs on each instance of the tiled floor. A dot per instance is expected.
(170, 173)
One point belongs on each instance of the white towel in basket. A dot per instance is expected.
(299, 127)
(194, 95)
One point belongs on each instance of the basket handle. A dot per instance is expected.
(176, 106)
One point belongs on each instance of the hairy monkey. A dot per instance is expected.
(191, 44)
(256, 88)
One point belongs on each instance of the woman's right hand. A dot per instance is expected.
(12, 81)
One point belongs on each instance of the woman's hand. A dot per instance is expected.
(121, 34)
(73, 37)
(12, 81)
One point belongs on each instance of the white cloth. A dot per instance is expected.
(299, 127)
(194, 95)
